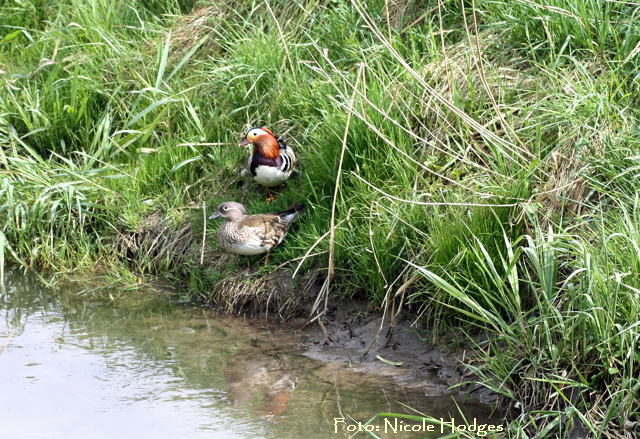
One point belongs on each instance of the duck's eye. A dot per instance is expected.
(254, 134)
(225, 208)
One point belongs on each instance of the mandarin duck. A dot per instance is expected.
(249, 235)
(271, 161)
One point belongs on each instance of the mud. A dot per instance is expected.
(359, 341)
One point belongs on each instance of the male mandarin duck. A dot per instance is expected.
(249, 235)
(271, 161)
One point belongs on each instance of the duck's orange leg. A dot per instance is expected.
(271, 197)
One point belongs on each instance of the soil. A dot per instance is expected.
(356, 337)
(358, 340)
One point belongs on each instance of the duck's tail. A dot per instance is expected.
(289, 215)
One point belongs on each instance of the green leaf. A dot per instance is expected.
(393, 363)
(185, 162)
(10, 36)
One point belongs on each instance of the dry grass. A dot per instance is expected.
(157, 242)
(194, 31)
(271, 294)
(565, 190)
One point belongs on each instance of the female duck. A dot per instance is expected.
(244, 234)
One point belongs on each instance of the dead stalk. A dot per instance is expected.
(323, 295)
(506, 146)
(204, 144)
(281, 34)
(483, 78)
(204, 231)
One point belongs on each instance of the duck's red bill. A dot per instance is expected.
(245, 142)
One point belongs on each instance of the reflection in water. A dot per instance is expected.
(74, 368)
(267, 379)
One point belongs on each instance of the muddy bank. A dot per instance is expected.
(161, 369)
(360, 340)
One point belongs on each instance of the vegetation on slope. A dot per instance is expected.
(489, 177)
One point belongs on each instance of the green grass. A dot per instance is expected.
(497, 197)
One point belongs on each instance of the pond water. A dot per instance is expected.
(72, 368)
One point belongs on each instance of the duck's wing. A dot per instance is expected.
(289, 158)
(269, 229)
(286, 152)
(247, 169)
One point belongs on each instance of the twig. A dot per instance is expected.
(324, 291)
(204, 144)
(388, 302)
(411, 226)
(281, 34)
(297, 259)
(483, 77)
(195, 183)
(204, 231)
(315, 244)
(444, 53)
(386, 10)
(303, 327)
(422, 17)
(373, 247)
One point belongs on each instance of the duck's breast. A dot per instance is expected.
(247, 248)
(270, 176)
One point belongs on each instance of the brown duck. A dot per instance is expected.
(248, 235)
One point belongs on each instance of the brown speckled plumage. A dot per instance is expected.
(253, 234)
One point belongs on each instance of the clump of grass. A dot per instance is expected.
(156, 245)
(560, 335)
(274, 294)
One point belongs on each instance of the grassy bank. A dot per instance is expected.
(489, 177)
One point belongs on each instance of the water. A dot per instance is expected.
(146, 368)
